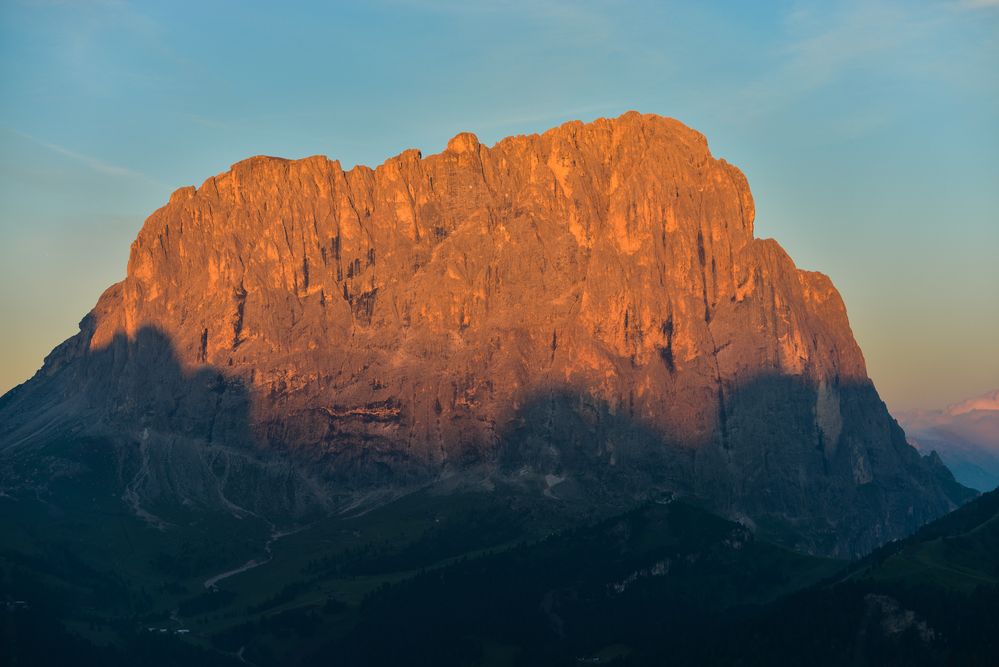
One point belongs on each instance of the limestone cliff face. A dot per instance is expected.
(588, 303)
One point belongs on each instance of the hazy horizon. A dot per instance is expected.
(868, 132)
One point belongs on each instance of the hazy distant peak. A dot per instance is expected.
(988, 401)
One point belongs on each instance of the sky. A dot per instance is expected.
(869, 132)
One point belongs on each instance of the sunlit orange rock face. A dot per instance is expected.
(614, 259)
(586, 302)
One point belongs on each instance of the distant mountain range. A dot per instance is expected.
(965, 435)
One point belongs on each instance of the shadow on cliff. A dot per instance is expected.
(755, 450)
(764, 459)
(137, 382)
(165, 437)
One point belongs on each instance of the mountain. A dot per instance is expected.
(584, 314)
(964, 435)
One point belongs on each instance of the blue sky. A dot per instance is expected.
(869, 132)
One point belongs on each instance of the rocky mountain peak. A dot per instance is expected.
(464, 142)
(588, 304)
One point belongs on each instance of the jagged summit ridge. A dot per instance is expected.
(588, 303)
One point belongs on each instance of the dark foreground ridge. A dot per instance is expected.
(446, 581)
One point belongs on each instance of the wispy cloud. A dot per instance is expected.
(205, 121)
(582, 21)
(822, 50)
(978, 4)
(95, 164)
(824, 46)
